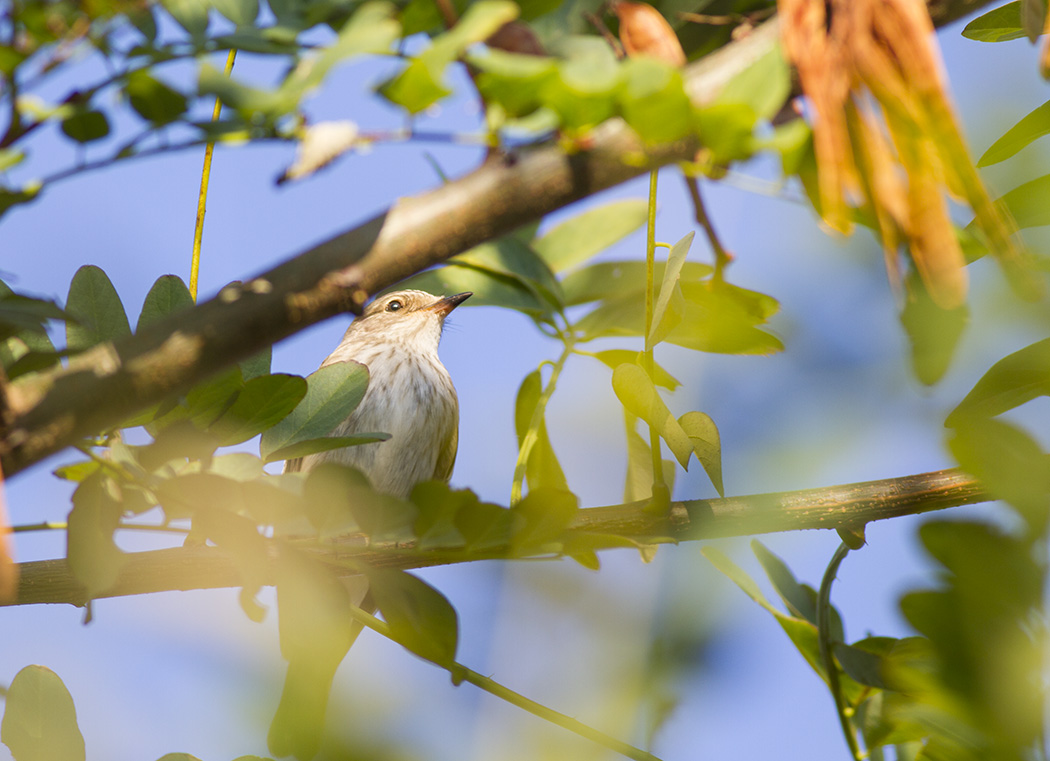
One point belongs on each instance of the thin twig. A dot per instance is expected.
(722, 256)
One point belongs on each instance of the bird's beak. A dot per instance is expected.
(447, 304)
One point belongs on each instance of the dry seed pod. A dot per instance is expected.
(516, 37)
(643, 31)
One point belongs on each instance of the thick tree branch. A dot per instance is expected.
(43, 413)
(848, 506)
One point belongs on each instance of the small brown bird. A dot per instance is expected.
(410, 394)
(411, 397)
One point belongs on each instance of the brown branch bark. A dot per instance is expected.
(849, 506)
(46, 412)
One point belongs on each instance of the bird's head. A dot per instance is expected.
(412, 317)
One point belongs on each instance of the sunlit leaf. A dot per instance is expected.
(1027, 204)
(489, 288)
(541, 518)
(606, 280)
(638, 483)
(97, 312)
(574, 241)
(439, 505)
(240, 12)
(333, 393)
(613, 358)
(669, 307)
(707, 445)
(583, 93)
(514, 81)
(542, 468)
(653, 100)
(636, 391)
(764, 86)
(1031, 127)
(40, 720)
(420, 618)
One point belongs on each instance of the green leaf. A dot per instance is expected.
(728, 130)
(638, 395)
(584, 92)
(262, 403)
(1008, 462)
(153, 100)
(707, 445)
(333, 392)
(97, 312)
(94, 558)
(240, 12)
(1033, 18)
(764, 86)
(574, 241)
(257, 365)
(653, 100)
(85, 126)
(540, 519)
(999, 25)
(513, 80)
(40, 720)
(1027, 203)
(420, 85)
(420, 618)
(933, 333)
(191, 15)
(669, 307)
(489, 289)
(203, 405)
(511, 258)
(484, 526)
(1013, 380)
(323, 444)
(167, 296)
(863, 660)
(439, 505)
(609, 280)
(613, 358)
(1031, 127)
(316, 630)
(638, 483)
(251, 103)
(542, 468)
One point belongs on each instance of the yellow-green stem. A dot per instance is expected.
(202, 197)
(650, 297)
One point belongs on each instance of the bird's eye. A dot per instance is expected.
(394, 305)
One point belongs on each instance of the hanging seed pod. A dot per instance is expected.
(644, 32)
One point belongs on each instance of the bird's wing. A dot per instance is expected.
(447, 456)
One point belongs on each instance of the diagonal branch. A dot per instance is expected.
(848, 506)
(46, 412)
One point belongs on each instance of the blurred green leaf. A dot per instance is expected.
(489, 289)
(800, 599)
(97, 312)
(513, 80)
(574, 241)
(727, 131)
(669, 307)
(484, 526)
(316, 630)
(167, 296)
(85, 126)
(419, 85)
(26, 318)
(999, 25)
(261, 403)
(1027, 204)
(191, 15)
(863, 660)
(1009, 463)
(1013, 380)
(94, 558)
(240, 12)
(583, 93)
(542, 468)
(257, 365)
(323, 444)
(653, 100)
(1031, 127)
(40, 720)
(439, 505)
(420, 618)
(1033, 18)
(636, 391)
(541, 518)
(933, 333)
(764, 86)
(251, 103)
(203, 404)
(333, 393)
(153, 100)
(707, 445)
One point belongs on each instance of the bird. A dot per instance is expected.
(411, 397)
(410, 394)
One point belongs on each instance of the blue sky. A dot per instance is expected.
(189, 672)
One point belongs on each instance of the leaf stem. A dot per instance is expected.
(650, 297)
(722, 256)
(202, 196)
(532, 434)
(824, 642)
(461, 673)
